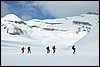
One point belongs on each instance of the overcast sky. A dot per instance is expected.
(55, 8)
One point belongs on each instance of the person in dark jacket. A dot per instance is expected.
(53, 49)
(48, 49)
(74, 49)
(29, 50)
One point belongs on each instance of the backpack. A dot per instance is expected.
(72, 47)
(22, 48)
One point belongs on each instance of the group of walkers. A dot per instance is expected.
(28, 48)
(53, 48)
(48, 49)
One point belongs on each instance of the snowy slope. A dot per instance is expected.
(40, 33)
(60, 31)
(88, 46)
(87, 54)
(91, 40)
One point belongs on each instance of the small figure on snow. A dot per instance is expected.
(29, 50)
(74, 49)
(22, 49)
(53, 49)
(48, 50)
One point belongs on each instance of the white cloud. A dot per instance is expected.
(4, 9)
(69, 8)
(55, 8)
(26, 17)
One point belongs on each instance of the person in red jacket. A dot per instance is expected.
(22, 49)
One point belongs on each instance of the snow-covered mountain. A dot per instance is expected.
(10, 17)
(60, 31)
(63, 32)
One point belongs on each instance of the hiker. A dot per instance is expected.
(48, 50)
(22, 49)
(29, 49)
(53, 49)
(73, 47)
